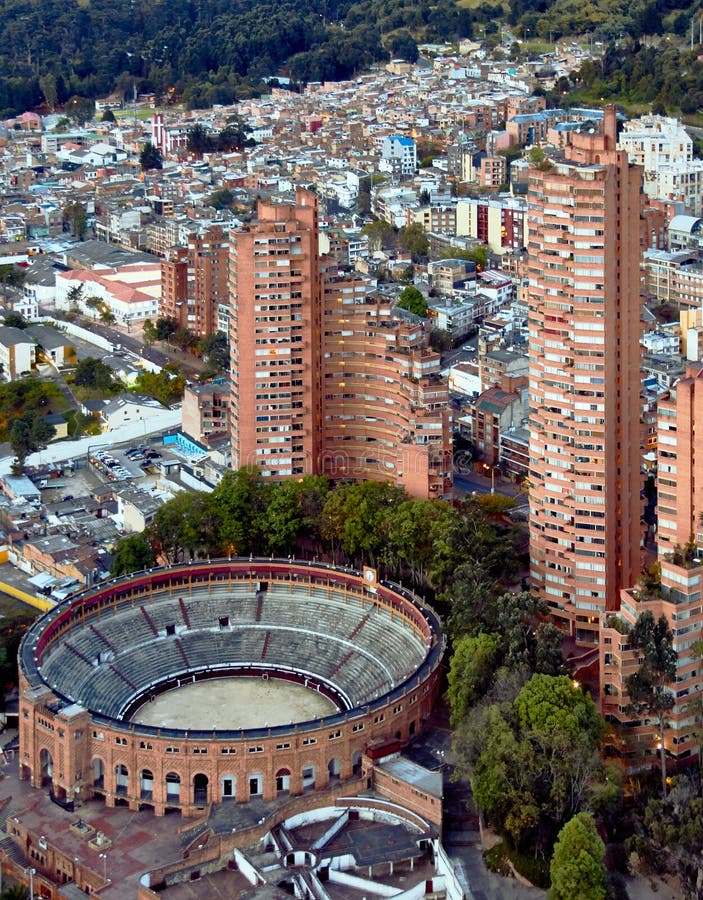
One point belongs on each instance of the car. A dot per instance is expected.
(67, 498)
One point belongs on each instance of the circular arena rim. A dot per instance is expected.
(82, 611)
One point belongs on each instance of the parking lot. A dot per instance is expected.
(123, 464)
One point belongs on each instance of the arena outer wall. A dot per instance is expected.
(60, 740)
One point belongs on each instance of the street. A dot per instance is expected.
(472, 483)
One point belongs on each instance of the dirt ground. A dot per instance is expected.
(233, 704)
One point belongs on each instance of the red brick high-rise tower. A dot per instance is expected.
(584, 319)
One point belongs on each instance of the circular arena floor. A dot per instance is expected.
(233, 704)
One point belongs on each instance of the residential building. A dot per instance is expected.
(17, 352)
(664, 149)
(677, 595)
(130, 293)
(194, 281)
(492, 172)
(500, 222)
(327, 379)
(515, 453)
(501, 367)
(385, 407)
(398, 155)
(275, 327)
(584, 351)
(635, 739)
(446, 275)
(685, 233)
(205, 411)
(674, 277)
(495, 411)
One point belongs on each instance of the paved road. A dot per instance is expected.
(472, 483)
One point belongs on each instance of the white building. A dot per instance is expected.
(17, 353)
(398, 154)
(665, 151)
(130, 293)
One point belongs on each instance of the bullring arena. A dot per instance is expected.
(230, 680)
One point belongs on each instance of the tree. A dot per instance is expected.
(80, 109)
(221, 199)
(199, 140)
(132, 554)
(380, 234)
(74, 297)
(184, 339)
(669, 836)
(150, 157)
(532, 767)
(478, 255)
(12, 276)
(293, 512)
(412, 532)
(150, 332)
(649, 687)
(185, 527)
(577, 869)
(241, 499)
(440, 340)
(164, 386)
(414, 239)
(214, 351)
(403, 46)
(15, 892)
(75, 218)
(413, 300)
(234, 136)
(94, 373)
(356, 518)
(15, 320)
(472, 667)
(47, 83)
(165, 327)
(28, 434)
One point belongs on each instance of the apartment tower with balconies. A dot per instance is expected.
(584, 378)
(275, 326)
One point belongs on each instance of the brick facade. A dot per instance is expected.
(82, 754)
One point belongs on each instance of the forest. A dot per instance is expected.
(63, 54)
(202, 53)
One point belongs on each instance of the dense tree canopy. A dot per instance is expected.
(578, 865)
(56, 52)
(532, 762)
(412, 300)
(362, 523)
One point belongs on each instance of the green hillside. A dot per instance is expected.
(203, 52)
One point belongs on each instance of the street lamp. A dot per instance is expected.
(493, 476)
(31, 872)
(103, 857)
